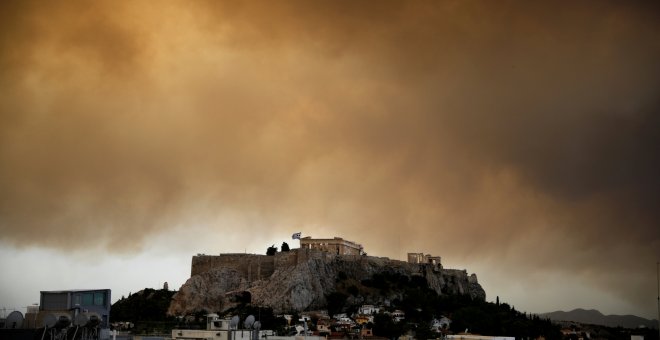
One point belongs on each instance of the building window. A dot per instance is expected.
(99, 299)
(87, 299)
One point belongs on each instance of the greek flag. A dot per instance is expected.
(296, 236)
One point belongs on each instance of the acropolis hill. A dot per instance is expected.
(300, 279)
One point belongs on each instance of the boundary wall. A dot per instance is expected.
(254, 266)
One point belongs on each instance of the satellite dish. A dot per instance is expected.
(94, 319)
(233, 324)
(14, 320)
(257, 325)
(49, 320)
(249, 321)
(63, 321)
(80, 320)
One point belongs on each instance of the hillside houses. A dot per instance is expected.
(357, 325)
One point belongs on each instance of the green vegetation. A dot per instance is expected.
(336, 302)
(478, 317)
(421, 304)
(146, 309)
(490, 318)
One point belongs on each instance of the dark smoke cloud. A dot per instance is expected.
(519, 134)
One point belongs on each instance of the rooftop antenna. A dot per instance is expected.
(255, 332)
(304, 320)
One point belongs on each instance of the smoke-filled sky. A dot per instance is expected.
(517, 140)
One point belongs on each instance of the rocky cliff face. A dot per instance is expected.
(304, 283)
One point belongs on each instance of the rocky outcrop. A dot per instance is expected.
(212, 291)
(301, 280)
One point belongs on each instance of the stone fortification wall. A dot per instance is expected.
(251, 266)
(314, 254)
(286, 259)
(257, 267)
(297, 256)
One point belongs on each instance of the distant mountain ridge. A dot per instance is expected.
(595, 317)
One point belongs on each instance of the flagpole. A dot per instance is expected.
(298, 236)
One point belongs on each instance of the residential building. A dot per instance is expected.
(85, 301)
(398, 315)
(368, 309)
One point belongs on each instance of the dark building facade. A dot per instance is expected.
(86, 301)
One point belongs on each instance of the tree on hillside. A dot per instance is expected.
(423, 331)
(336, 302)
(271, 250)
(285, 246)
(385, 327)
(146, 305)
